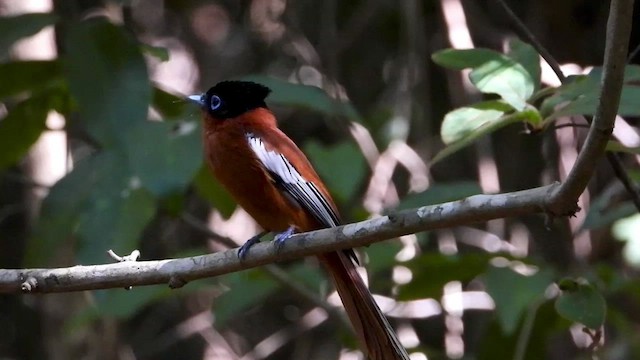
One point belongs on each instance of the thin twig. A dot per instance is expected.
(633, 53)
(283, 278)
(546, 55)
(203, 229)
(571, 125)
(527, 328)
(620, 172)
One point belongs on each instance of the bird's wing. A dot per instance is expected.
(287, 178)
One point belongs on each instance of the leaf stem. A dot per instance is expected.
(527, 329)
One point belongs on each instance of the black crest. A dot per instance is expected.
(229, 99)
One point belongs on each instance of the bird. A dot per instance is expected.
(272, 180)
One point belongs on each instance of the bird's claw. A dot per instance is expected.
(280, 238)
(244, 249)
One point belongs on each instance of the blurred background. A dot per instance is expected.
(98, 152)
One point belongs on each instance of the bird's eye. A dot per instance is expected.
(215, 102)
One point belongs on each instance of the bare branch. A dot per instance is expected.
(618, 30)
(177, 272)
(615, 162)
(557, 199)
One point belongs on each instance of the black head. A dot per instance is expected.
(229, 99)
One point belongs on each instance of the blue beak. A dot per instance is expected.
(196, 99)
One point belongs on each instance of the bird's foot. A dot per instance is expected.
(280, 238)
(244, 249)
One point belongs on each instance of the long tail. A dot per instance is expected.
(373, 330)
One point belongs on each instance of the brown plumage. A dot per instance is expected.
(270, 177)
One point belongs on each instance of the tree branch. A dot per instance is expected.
(177, 272)
(617, 43)
(565, 204)
(557, 199)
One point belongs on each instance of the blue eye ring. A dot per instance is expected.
(215, 102)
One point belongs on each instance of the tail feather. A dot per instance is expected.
(370, 324)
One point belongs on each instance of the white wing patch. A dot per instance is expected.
(288, 179)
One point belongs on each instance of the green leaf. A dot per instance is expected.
(470, 123)
(109, 198)
(61, 209)
(616, 146)
(495, 344)
(158, 52)
(211, 190)
(631, 73)
(109, 221)
(312, 277)
(513, 293)
(439, 193)
(173, 204)
(163, 156)
(493, 73)
(581, 303)
(462, 122)
(603, 210)
(167, 104)
(104, 201)
(575, 87)
(21, 76)
(116, 303)
(580, 97)
(250, 288)
(629, 101)
(599, 218)
(304, 96)
(21, 128)
(587, 103)
(242, 294)
(16, 27)
(108, 77)
(528, 57)
(382, 256)
(506, 78)
(432, 271)
(121, 303)
(342, 167)
(100, 203)
(634, 174)
(614, 281)
(459, 59)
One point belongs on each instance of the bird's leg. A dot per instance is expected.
(244, 249)
(280, 238)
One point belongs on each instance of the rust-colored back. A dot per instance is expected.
(238, 169)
